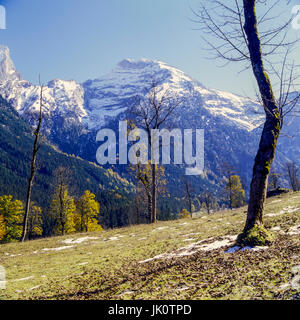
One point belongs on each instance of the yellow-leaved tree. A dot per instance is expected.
(88, 210)
(12, 215)
(63, 210)
(184, 214)
(236, 192)
(2, 227)
(35, 222)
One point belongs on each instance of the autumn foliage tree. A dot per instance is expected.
(2, 227)
(88, 209)
(235, 191)
(62, 209)
(35, 222)
(11, 216)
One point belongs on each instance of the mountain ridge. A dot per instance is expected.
(74, 112)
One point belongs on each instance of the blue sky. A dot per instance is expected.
(76, 39)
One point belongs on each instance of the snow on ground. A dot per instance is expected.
(195, 247)
(276, 229)
(294, 230)
(125, 293)
(160, 228)
(238, 248)
(79, 240)
(23, 279)
(276, 201)
(183, 288)
(36, 287)
(58, 249)
(116, 238)
(294, 281)
(288, 209)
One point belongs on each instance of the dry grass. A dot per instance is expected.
(107, 265)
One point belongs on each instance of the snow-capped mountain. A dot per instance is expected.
(74, 112)
(96, 101)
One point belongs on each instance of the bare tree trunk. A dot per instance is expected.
(154, 193)
(189, 196)
(230, 192)
(271, 131)
(32, 171)
(150, 212)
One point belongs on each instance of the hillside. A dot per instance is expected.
(183, 259)
(16, 141)
(75, 111)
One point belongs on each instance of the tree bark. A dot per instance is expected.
(272, 126)
(149, 207)
(154, 194)
(32, 171)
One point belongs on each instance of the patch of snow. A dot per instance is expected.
(276, 229)
(36, 287)
(276, 201)
(284, 286)
(58, 249)
(295, 282)
(294, 230)
(233, 249)
(23, 279)
(238, 248)
(79, 240)
(296, 269)
(125, 293)
(194, 248)
(160, 228)
(113, 238)
(182, 288)
(288, 209)
(218, 244)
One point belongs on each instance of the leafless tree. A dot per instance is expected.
(189, 194)
(274, 180)
(33, 168)
(228, 171)
(292, 173)
(152, 112)
(252, 32)
(61, 183)
(208, 200)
